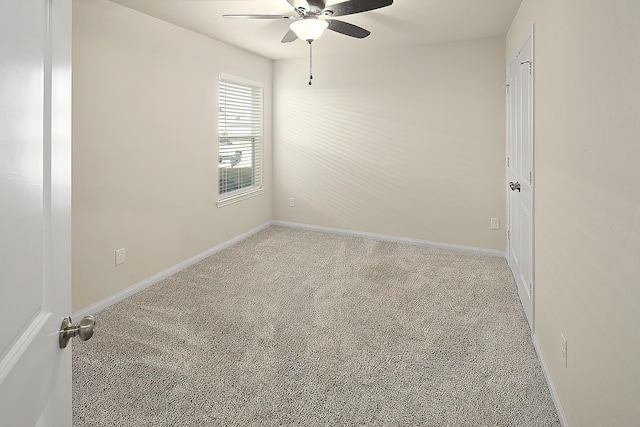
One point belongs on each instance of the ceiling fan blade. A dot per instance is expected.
(242, 16)
(347, 29)
(289, 37)
(355, 6)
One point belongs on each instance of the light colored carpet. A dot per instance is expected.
(300, 328)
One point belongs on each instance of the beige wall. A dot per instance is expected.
(405, 142)
(588, 202)
(144, 147)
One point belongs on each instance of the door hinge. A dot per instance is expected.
(508, 234)
(507, 87)
(508, 162)
(530, 178)
(530, 64)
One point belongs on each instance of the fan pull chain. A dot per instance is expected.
(310, 63)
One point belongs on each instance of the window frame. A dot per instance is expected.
(256, 135)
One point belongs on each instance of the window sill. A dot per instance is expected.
(228, 200)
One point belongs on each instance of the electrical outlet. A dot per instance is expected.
(564, 350)
(120, 256)
(495, 223)
(292, 202)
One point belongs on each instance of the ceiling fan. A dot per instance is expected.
(312, 17)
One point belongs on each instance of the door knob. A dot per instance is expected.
(68, 330)
(514, 186)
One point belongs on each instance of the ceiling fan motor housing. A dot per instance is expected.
(314, 7)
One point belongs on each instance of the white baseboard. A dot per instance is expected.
(395, 239)
(101, 305)
(547, 375)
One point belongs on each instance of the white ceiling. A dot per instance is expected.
(404, 23)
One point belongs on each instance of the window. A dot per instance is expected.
(239, 139)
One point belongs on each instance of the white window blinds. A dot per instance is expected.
(239, 139)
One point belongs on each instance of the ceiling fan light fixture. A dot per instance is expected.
(309, 29)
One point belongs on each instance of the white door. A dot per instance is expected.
(520, 174)
(35, 211)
